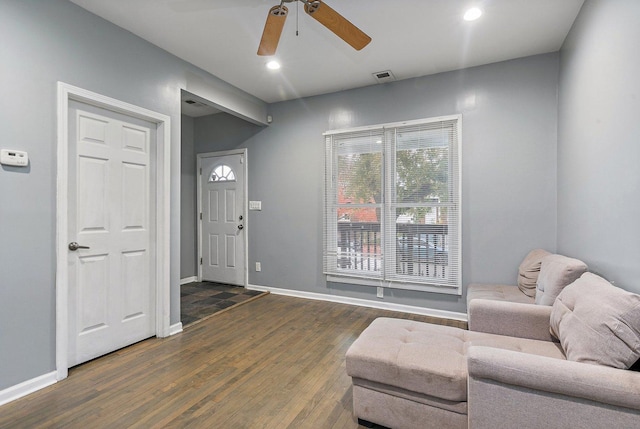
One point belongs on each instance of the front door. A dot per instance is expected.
(111, 225)
(222, 234)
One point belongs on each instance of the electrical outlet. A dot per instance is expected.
(380, 293)
(258, 266)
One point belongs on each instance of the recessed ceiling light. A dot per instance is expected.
(273, 65)
(472, 14)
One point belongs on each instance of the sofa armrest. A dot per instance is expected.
(507, 382)
(510, 318)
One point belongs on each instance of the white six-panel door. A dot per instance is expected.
(111, 270)
(222, 233)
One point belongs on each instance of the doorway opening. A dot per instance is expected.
(208, 132)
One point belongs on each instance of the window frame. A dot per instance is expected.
(330, 227)
(221, 179)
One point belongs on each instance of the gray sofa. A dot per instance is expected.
(541, 277)
(564, 365)
(524, 291)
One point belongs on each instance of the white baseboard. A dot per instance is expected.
(186, 280)
(176, 328)
(19, 390)
(364, 303)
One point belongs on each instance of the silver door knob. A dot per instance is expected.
(75, 246)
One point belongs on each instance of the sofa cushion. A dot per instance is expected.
(425, 358)
(528, 271)
(497, 292)
(556, 272)
(597, 323)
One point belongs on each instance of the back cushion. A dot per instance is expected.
(528, 271)
(556, 272)
(597, 323)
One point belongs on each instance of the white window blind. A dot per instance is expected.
(392, 205)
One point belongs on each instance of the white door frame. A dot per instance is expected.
(199, 157)
(68, 92)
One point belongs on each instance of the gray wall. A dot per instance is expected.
(509, 171)
(188, 243)
(222, 132)
(599, 141)
(44, 42)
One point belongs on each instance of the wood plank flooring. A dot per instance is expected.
(276, 362)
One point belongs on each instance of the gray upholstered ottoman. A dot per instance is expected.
(409, 374)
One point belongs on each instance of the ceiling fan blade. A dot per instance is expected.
(337, 23)
(272, 30)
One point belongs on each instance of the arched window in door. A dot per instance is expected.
(222, 173)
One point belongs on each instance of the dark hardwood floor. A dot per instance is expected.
(276, 362)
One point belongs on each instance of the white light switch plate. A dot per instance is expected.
(255, 205)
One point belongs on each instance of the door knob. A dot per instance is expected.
(240, 226)
(75, 246)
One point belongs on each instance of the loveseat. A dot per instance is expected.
(564, 365)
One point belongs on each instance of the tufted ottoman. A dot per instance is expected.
(409, 374)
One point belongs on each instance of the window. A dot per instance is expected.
(222, 173)
(392, 205)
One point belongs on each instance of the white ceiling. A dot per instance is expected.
(410, 37)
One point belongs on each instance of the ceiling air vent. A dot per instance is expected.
(384, 76)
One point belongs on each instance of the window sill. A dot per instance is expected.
(420, 287)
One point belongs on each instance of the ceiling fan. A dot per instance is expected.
(319, 10)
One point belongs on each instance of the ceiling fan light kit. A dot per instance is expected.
(322, 13)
